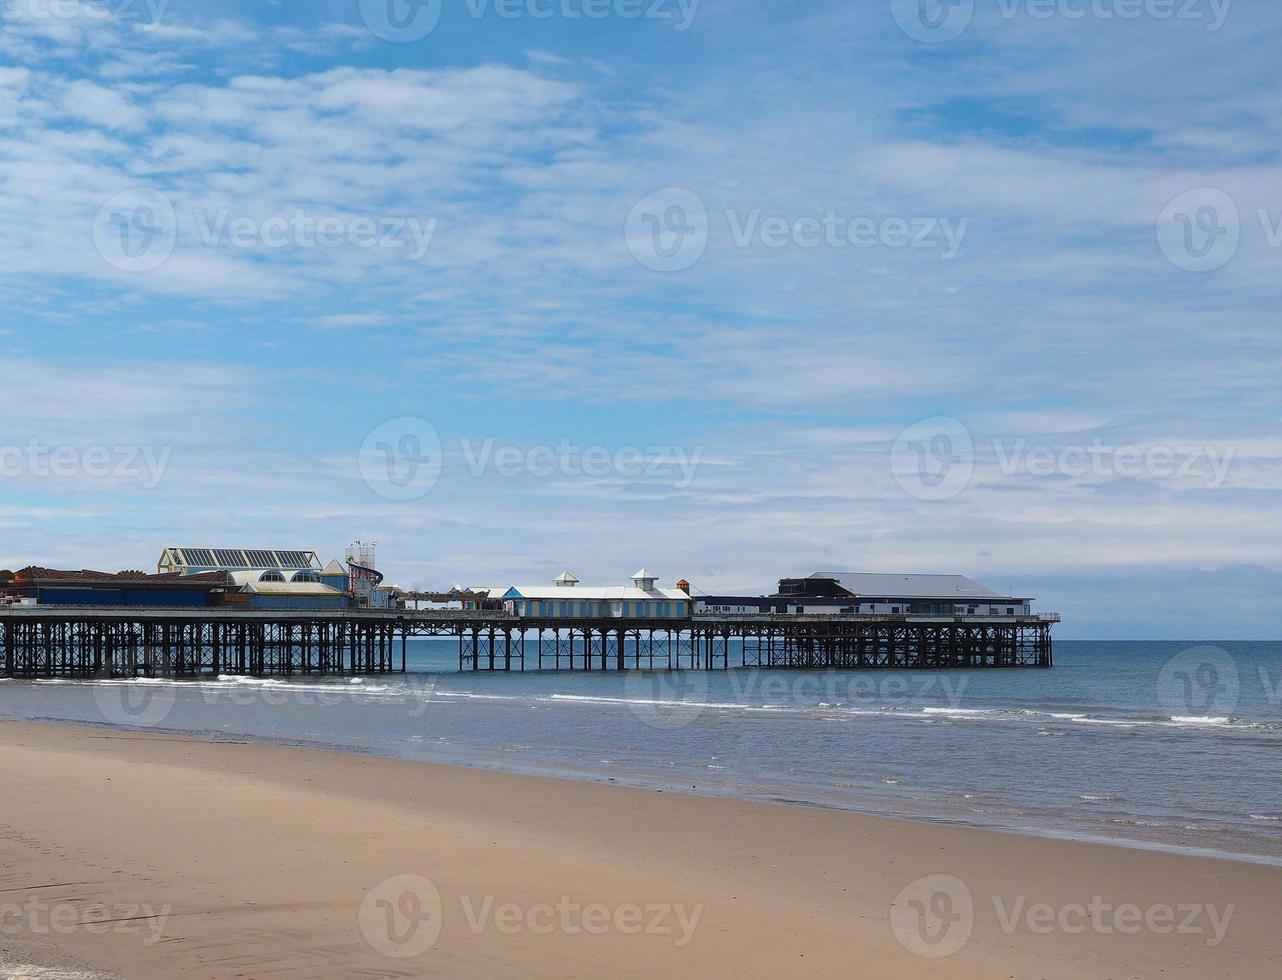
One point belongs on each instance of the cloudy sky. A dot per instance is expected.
(733, 289)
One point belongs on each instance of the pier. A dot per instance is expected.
(112, 642)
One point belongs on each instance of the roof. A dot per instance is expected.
(566, 578)
(335, 567)
(911, 586)
(291, 588)
(642, 573)
(36, 575)
(238, 558)
(588, 593)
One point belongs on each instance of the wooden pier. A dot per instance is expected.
(86, 642)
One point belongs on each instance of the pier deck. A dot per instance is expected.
(83, 641)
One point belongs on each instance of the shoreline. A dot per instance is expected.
(265, 854)
(941, 818)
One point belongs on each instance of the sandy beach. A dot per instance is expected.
(150, 856)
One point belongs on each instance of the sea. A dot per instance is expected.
(1167, 745)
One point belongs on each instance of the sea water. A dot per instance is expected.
(1173, 745)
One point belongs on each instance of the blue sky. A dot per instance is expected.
(734, 290)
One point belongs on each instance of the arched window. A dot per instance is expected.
(271, 576)
(306, 575)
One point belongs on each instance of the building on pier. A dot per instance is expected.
(56, 587)
(272, 589)
(191, 561)
(567, 598)
(266, 578)
(893, 595)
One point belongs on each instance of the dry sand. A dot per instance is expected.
(146, 856)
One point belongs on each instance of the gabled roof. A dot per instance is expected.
(335, 567)
(874, 584)
(588, 593)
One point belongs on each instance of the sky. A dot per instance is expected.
(732, 290)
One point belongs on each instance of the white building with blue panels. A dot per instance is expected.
(566, 598)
